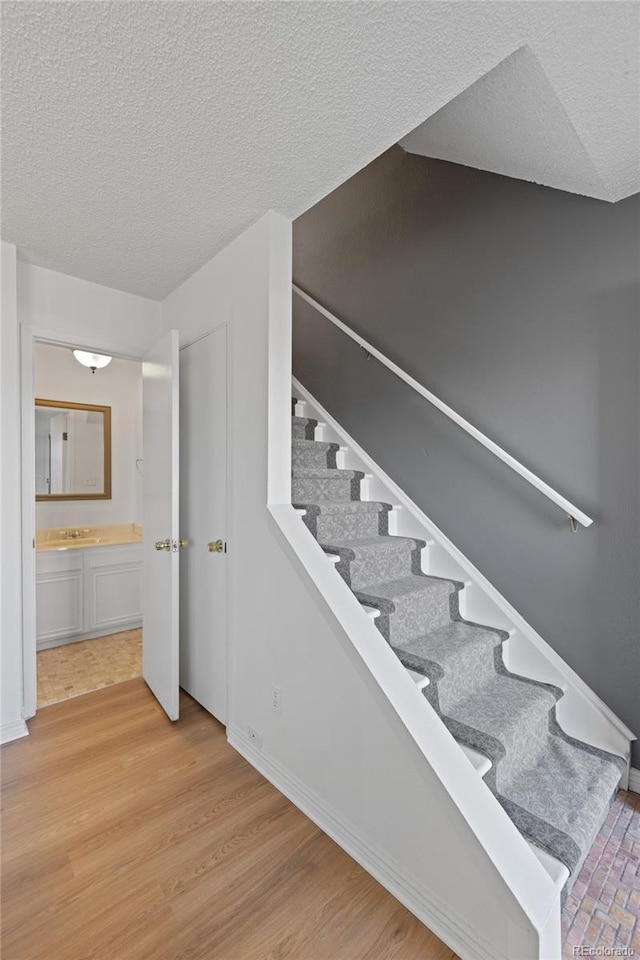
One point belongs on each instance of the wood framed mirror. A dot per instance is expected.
(73, 450)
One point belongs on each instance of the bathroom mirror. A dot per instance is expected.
(73, 451)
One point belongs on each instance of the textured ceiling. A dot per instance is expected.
(140, 138)
(511, 122)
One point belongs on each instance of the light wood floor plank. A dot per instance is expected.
(126, 837)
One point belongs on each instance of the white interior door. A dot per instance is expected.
(203, 496)
(160, 504)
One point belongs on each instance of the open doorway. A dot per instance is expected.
(184, 642)
(88, 491)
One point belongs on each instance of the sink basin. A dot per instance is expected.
(64, 543)
(71, 542)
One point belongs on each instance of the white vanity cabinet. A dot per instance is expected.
(59, 596)
(87, 592)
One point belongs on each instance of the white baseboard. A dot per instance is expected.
(89, 635)
(634, 780)
(442, 919)
(13, 731)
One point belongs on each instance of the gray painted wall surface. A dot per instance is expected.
(519, 306)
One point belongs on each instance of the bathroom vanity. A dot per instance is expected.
(88, 582)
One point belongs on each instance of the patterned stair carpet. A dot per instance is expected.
(555, 789)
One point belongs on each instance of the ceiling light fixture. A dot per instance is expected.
(92, 360)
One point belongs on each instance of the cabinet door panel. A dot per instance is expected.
(116, 595)
(87, 592)
(59, 606)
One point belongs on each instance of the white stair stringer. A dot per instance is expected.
(476, 883)
(580, 712)
(534, 880)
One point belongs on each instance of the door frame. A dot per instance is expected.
(29, 336)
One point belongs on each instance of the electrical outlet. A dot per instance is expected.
(276, 698)
(254, 737)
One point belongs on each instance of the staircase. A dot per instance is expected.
(556, 789)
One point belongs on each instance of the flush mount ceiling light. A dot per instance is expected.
(92, 360)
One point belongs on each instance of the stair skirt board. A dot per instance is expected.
(557, 790)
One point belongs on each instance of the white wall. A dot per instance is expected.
(338, 747)
(59, 376)
(86, 313)
(12, 724)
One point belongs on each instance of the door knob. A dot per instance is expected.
(216, 546)
(163, 544)
(183, 543)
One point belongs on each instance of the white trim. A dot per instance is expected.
(544, 488)
(28, 508)
(13, 731)
(634, 780)
(441, 918)
(189, 343)
(97, 344)
(512, 615)
(62, 641)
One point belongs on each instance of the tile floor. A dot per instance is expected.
(77, 668)
(601, 916)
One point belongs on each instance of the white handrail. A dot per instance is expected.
(575, 515)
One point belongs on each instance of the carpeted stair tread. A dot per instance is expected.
(367, 559)
(410, 605)
(512, 711)
(583, 774)
(332, 507)
(313, 453)
(391, 590)
(569, 790)
(318, 481)
(325, 473)
(502, 699)
(376, 543)
(300, 444)
(340, 519)
(458, 655)
(574, 778)
(303, 428)
(305, 421)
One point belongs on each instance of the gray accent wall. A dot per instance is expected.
(519, 306)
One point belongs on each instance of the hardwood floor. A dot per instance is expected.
(126, 837)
